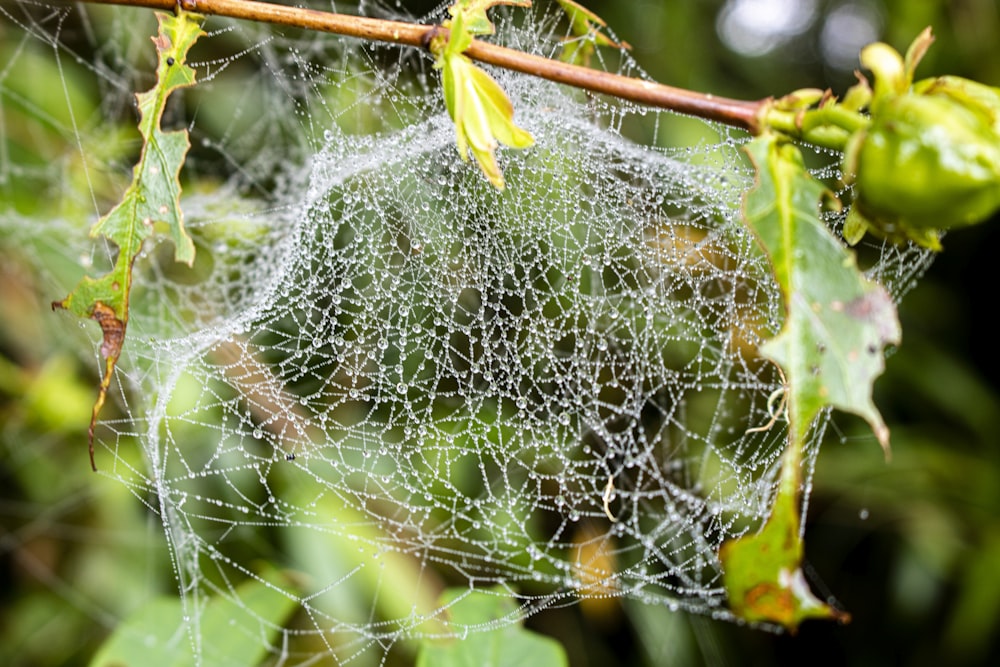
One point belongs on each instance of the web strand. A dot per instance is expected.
(389, 378)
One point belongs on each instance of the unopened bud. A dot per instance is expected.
(928, 161)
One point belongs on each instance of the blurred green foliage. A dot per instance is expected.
(910, 548)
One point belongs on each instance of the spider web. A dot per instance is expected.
(386, 377)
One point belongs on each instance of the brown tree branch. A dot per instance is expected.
(738, 113)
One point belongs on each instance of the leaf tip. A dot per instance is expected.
(882, 434)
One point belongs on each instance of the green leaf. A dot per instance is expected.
(481, 110)
(152, 198)
(234, 631)
(585, 27)
(762, 573)
(837, 322)
(474, 13)
(483, 114)
(508, 645)
(830, 349)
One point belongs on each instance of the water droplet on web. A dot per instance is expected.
(600, 289)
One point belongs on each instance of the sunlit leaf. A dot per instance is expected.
(483, 114)
(481, 110)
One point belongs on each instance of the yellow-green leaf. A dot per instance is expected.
(585, 26)
(474, 13)
(483, 114)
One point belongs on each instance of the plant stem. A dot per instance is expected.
(737, 113)
(830, 126)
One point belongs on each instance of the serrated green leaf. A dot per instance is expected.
(508, 645)
(837, 321)
(830, 349)
(152, 198)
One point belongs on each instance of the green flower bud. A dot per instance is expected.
(929, 159)
(985, 99)
(927, 162)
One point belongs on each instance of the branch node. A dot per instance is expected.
(428, 37)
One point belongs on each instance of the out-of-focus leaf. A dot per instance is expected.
(474, 13)
(152, 198)
(507, 645)
(585, 26)
(595, 563)
(230, 629)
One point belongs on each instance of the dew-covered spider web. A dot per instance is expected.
(383, 377)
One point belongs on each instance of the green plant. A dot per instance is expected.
(830, 349)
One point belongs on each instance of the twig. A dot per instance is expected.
(737, 113)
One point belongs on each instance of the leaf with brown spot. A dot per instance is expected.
(762, 572)
(830, 350)
(837, 321)
(153, 197)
